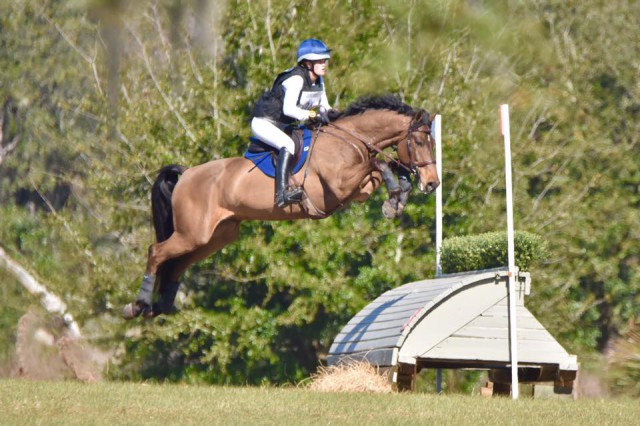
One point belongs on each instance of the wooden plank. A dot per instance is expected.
(502, 310)
(356, 336)
(405, 298)
(421, 294)
(442, 281)
(380, 357)
(373, 324)
(363, 345)
(435, 283)
(390, 310)
(472, 331)
(495, 350)
(416, 293)
(375, 335)
(503, 322)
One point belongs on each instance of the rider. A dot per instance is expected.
(297, 94)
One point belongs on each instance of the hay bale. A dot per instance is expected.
(350, 377)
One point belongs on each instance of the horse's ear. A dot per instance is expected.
(424, 117)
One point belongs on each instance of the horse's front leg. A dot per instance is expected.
(393, 187)
(404, 179)
(391, 207)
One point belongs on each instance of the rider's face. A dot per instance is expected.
(319, 67)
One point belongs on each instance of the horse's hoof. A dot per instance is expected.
(135, 309)
(388, 210)
(148, 314)
(130, 311)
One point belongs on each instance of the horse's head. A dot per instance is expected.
(416, 152)
(383, 121)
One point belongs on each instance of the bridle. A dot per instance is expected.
(414, 126)
(416, 123)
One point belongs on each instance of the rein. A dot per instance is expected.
(358, 138)
(370, 147)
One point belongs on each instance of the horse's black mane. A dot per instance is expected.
(387, 101)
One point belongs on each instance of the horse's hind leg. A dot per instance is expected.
(171, 271)
(176, 245)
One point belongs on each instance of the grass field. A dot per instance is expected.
(25, 402)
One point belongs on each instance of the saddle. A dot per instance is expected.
(265, 156)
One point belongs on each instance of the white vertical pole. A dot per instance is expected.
(437, 135)
(513, 336)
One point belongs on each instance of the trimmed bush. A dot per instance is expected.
(489, 250)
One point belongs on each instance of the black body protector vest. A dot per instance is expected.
(270, 104)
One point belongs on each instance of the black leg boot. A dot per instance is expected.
(284, 196)
(164, 305)
(404, 178)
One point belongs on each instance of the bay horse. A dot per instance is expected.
(198, 211)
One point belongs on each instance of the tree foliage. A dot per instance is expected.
(108, 92)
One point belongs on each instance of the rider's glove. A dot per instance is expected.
(323, 117)
(319, 116)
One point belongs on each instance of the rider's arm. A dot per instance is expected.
(324, 102)
(292, 88)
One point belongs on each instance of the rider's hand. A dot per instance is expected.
(320, 116)
(323, 117)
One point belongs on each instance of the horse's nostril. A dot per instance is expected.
(431, 186)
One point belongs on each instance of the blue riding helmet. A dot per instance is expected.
(312, 49)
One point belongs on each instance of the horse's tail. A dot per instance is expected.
(161, 200)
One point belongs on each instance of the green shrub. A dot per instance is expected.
(489, 250)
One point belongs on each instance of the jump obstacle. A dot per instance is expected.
(472, 320)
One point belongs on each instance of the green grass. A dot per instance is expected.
(68, 403)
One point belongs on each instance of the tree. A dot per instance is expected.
(94, 129)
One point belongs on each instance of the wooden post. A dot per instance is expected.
(437, 134)
(513, 326)
(406, 380)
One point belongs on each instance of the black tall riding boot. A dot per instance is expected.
(284, 195)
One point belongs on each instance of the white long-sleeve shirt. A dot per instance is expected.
(308, 100)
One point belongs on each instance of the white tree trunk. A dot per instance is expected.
(52, 303)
